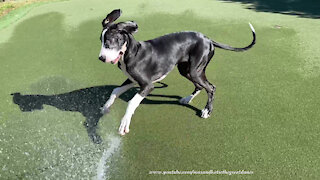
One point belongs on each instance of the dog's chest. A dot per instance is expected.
(124, 70)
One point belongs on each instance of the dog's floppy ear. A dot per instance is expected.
(111, 17)
(129, 27)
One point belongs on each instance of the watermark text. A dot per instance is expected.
(196, 172)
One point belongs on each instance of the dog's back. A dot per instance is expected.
(177, 47)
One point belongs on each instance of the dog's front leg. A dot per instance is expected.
(132, 105)
(128, 84)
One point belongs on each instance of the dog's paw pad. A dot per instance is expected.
(205, 113)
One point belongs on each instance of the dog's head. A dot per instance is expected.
(114, 37)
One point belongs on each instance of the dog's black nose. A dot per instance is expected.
(101, 58)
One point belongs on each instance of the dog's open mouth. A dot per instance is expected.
(118, 58)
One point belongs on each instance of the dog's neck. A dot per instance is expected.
(133, 47)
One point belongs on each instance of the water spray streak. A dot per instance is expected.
(102, 168)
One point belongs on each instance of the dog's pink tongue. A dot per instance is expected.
(116, 60)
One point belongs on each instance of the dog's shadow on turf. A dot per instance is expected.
(88, 102)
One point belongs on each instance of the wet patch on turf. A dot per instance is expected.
(253, 90)
(49, 144)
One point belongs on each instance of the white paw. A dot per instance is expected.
(185, 100)
(124, 126)
(205, 113)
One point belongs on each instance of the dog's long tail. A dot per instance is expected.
(227, 47)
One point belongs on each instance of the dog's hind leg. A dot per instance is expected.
(211, 89)
(188, 99)
(128, 84)
(198, 76)
(184, 69)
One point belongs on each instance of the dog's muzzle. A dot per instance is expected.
(112, 61)
(112, 55)
(102, 58)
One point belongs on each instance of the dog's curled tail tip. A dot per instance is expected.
(252, 29)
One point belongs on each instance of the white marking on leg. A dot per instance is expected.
(188, 99)
(132, 105)
(205, 113)
(115, 94)
(102, 169)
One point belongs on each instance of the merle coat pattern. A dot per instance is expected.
(147, 62)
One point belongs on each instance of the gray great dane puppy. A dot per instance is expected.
(147, 62)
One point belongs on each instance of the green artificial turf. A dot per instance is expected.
(266, 109)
